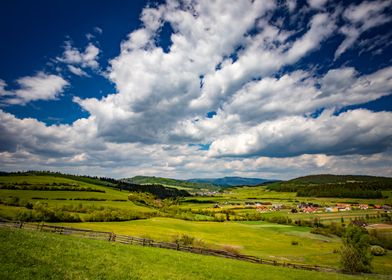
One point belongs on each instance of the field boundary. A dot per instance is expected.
(133, 240)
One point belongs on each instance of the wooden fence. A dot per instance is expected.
(132, 240)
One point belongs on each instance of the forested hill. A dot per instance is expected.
(157, 190)
(233, 181)
(149, 180)
(354, 186)
(330, 179)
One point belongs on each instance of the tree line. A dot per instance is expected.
(348, 189)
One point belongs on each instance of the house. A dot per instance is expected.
(343, 207)
(387, 208)
(331, 209)
(363, 206)
(277, 206)
(261, 208)
(310, 209)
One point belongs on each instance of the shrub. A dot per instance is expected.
(184, 239)
(231, 249)
(355, 253)
(377, 250)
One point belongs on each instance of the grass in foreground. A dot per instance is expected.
(266, 240)
(38, 255)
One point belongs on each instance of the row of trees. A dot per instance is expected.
(349, 190)
(41, 187)
(157, 190)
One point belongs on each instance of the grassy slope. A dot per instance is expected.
(266, 240)
(33, 255)
(110, 194)
(255, 238)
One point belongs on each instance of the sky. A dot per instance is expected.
(196, 89)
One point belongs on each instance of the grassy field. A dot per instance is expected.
(111, 197)
(259, 238)
(33, 255)
(266, 240)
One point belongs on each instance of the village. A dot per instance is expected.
(315, 208)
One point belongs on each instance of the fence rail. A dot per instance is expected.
(133, 240)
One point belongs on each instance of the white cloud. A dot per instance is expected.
(267, 53)
(352, 132)
(361, 18)
(98, 30)
(86, 59)
(291, 5)
(77, 71)
(235, 59)
(317, 4)
(31, 88)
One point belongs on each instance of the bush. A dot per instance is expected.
(377, 250)
(184, 239)
(231, 249)
(355, 253)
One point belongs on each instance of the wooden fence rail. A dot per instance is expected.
(133, 240)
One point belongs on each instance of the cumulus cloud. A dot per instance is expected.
(361, 18)
(77, 71)
(317, 4)
(230, 78)
(86, 59)
(267, 53)
(31, 88)
(353, 132)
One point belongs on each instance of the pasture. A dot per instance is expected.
(224, 220)
(24, 255)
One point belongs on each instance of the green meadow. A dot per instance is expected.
(262, 239)
(38, 255)
(225, 220)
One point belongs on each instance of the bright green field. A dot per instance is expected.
(108, 194)
(37, 255)
(266, 240)
(51, 197)
(261, 193)
(261, 239)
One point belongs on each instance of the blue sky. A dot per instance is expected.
(272, 89)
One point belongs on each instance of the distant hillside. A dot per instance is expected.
(157, 189)
(329, 179)
(149, 180)
(327, 185)
(232, 181)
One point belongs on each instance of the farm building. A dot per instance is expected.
(343, 206)
(363, 206)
